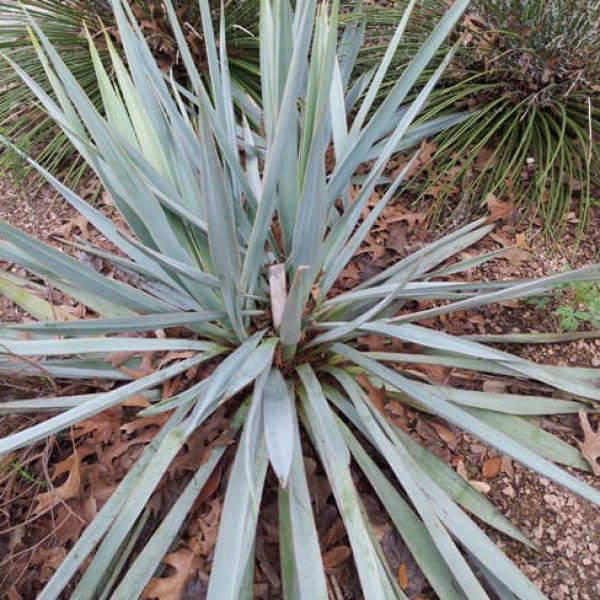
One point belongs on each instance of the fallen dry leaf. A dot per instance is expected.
(142, 423)
(208, 527)
(500, 210)
(336, 556)
(590, 447)
(184, 564)
(411, 219)
(397, 241)
(71, 488)
(48, 560)
(517, 251)
(491, 467)
(444, 434)
(403, 576)
(103, 427)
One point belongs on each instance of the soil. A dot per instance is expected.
(566, 528)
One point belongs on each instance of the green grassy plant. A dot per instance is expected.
(529, 73)
(239, 223)
(23, 473)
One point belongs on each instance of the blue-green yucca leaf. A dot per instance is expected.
(96, 405)
(71, 124)
(290, 329)
(222, 237)
(301, 562)
(67, 368)
(106, 226)
(111, 544)
(76, 273)
(57, 403)
(456, 345)
(146, 563)
(95, 301)
(93, 534)
(20, 292)
(436, 403)
(335, 458)
(351, 41)
(413, 532)
(338, 249)
(409, 474)
(513, 404)
(239, 369)
(99, 345)
(450, 481)
(240, 513)
(380, 73)
(286, 120)
(431, 502)
(279, 417)
(517, 290)
(374, 128)
(83, 327)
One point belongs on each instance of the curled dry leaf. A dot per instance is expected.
(71, 488)
(590, 447)
(481, 486)
(184, 564)
(207, 528)
(500, 210)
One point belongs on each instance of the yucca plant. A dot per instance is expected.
(529, 73)
(239, 223)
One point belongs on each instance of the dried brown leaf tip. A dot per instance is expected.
(590, 447)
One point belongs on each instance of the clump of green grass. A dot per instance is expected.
(529, 74)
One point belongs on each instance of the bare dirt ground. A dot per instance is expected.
(566, 528)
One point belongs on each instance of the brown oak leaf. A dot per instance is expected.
(184, 564)
(500, 210)
(590, 447)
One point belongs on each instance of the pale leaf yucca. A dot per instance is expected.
(238, 215)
